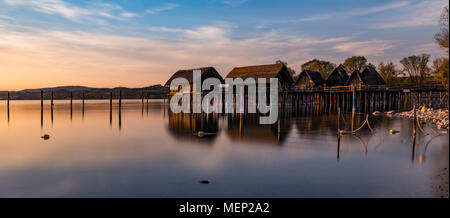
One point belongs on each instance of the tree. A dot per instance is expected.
(442, 38)
(437, 63)
(355, 63)
(442, 73)
(323, 67)
(416, 67)
(440, 66)
(389, 72)
(291, 71)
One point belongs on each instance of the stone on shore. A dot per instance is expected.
(439, 117)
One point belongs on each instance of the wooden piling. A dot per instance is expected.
(120, 99)
(82, 104)
(51, 100)
(353, 106)
(42, 99)
(339, 119)
(7, 103)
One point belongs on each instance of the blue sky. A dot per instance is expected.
(137, 42)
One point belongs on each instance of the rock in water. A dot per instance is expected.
(393, 131)
(376, 113)
(204, 182)
(45, 137)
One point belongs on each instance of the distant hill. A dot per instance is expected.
(63, 92)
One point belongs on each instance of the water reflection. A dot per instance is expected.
(155, 155)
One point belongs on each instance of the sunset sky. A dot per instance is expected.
(137, 43)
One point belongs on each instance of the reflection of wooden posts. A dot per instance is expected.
(147, 103)
(414, 132)
(353, 106)
(279, 129)
(241, 125)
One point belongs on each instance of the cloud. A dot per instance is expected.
(232, 3)
(71, 12)
(110, 60)
(351, 13)
(166, 7)
(423, 13)
(366, 48)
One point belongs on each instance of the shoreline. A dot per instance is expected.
(438, 117)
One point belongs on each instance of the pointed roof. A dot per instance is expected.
(370, 76)
(356, 74)
(313, 75)
(261, 71)
(338, 77)
(206, 72)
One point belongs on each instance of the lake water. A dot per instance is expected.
(152, 153)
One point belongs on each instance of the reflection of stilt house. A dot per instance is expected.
(206, 72)
(309, 80)
(338, 77)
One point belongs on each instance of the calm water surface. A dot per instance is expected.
(151, 153)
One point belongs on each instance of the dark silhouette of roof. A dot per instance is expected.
(313, 75)
(206, 72)
(356, 74)
(262, 71)
(370, 76)
(338, 77)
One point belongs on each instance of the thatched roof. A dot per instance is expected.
(370, 76)
(356, 75)
(262, 71)
(338, 77)
(313, 75)
(206, 72)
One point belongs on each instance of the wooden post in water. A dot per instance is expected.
(110, 100)
(120, 100)
(51, 106)
(353, 106)
(82, 104)
(42, 109)
(42, 99)
(7, 103)
(71, 99)
(339, 120)
(51, 100)
(110, 108)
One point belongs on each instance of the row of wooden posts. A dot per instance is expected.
(71, 99)
(362, 101)
(71, 105)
